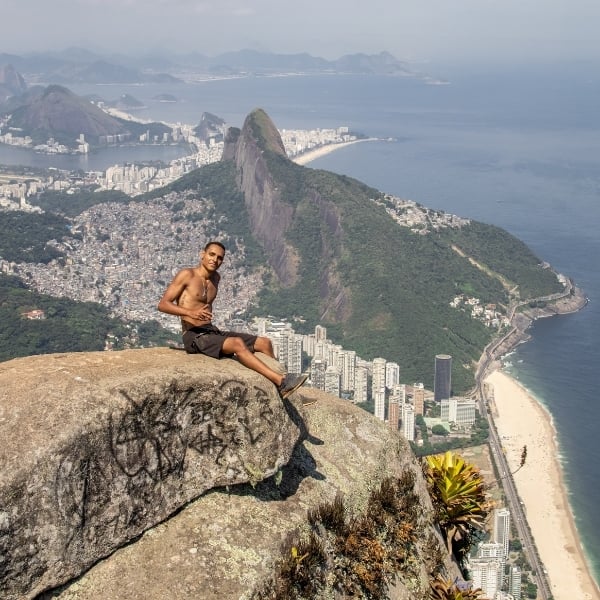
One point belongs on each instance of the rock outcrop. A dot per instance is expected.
(272, 211)
(227, 543)
(270, 217)
(99, 447)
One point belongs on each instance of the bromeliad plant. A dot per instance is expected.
(448, 590)
(458, 495)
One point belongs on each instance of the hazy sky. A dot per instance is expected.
(417, 30)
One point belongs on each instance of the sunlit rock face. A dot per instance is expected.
(99, 447)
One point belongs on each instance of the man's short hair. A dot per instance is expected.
(214, 244)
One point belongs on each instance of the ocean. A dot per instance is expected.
(516, 147)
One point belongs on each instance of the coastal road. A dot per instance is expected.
(516, 507)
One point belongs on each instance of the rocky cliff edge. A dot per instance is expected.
(101, 451)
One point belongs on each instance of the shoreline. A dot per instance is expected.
(310, 155)
(521, 420)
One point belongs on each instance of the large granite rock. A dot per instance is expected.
(227, 543)
(99, 447)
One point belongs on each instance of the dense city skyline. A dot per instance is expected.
(468, 30)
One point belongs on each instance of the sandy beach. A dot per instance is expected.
(311, 155)
(520, 421)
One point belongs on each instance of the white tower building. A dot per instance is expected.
(361, 378)
(392, 374)
(332, 381)
(408, 422)
(501, 533)
(379, 400)
(378, 376)
(348, 360)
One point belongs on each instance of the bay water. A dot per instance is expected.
(517, 147)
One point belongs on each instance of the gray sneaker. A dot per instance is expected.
(290, 384)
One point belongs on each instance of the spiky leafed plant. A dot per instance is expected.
(458, 495)
(440, 589)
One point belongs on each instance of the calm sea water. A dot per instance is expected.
(519, 148)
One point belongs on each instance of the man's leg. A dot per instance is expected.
(235, 345)
(286, 384)
(264, 345)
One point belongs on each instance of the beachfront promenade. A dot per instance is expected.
(535, 492)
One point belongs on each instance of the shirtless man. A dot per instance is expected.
(190, 296)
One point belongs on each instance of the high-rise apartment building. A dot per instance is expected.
(514, 582)
(287, 347)
(442, 380)
(378, 381)
(294, 360)
(361, 382)
(501, 532)
(308, 344)
(408, 422)
(334, 356)
(485, 574)
(317, 373)
(460, 411)
(419, 398)
(348, 360)
(332, 381)
(399, 393)
(280, 354)
(392, 374)
(495, 551)
(393, 414)
(320, 333)
(379, 400)
(321, 349)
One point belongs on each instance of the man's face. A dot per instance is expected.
(212, 257)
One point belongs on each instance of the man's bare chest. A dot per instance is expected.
(201, 290)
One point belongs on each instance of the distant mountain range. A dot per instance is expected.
(77, 65)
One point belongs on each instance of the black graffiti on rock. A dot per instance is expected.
(104, 489)
(155, 435)
(83, 493)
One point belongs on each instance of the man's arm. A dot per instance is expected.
(168, 302)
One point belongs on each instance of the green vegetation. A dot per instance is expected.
(352, 555)
(439, 430)
(531, 590)
(72, 205)
(479, 434)
(68, 327)
(24, 236)
(443, 589)
(399, 284)
(457, 492)
(507, 256)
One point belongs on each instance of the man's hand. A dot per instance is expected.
(201, 314)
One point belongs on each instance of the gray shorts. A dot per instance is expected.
(209, 340)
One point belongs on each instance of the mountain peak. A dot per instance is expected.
(259, 125)
(11, 82)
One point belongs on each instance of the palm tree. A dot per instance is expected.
(457, 492)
